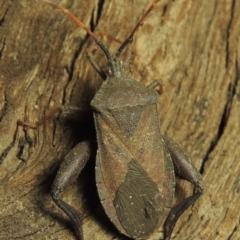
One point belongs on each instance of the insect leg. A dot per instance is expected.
(68, 172)
(184, 169)
(95, 65)
(65, 110)
(156, 85)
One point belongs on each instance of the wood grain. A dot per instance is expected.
(192, 46)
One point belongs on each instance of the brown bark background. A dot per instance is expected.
(192, 46)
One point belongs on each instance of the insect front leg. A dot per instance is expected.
(184, 169)
(95, 65)
(68, 172)
(66, 110)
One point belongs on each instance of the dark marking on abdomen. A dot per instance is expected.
(138, 202)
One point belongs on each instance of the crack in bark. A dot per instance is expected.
(231, 234)
(231, 93)
(3, 46)
(9, 147)
(28, 234)
(70, 69)
(5, 152)
(223, 121)
(96, 15)
(3, 17)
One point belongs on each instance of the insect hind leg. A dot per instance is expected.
(184, 169)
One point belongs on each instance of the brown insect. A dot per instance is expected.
(135, 165)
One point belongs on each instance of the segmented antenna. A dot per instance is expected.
(139, 23)
(91, 34)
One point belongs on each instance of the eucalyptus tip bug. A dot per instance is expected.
(135, 165)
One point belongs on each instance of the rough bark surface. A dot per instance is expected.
(192, 46)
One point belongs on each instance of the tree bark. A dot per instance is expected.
(193, 47)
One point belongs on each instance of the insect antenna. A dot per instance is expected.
(139, 23)
(91, 34)
(82, 25)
